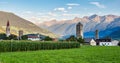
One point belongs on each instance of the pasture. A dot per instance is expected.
(84, 54)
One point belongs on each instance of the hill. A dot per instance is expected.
(17, 23)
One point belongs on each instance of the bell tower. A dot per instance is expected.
(79, 30)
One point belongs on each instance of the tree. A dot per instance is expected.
(71, 38)
(4, 37)
(12, 36)
(47, 38)
(24, 37)
(80, 40)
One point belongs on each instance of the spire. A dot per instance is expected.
(8, 29)
(8, 23)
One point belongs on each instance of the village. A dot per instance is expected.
(79, 34)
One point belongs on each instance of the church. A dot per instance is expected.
(8, 29)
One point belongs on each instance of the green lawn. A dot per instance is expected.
(85, 54)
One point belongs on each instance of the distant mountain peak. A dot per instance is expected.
(93, 16)
(91, 23)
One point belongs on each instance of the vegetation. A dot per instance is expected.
(80, 40)
(73, 38)
(47, 38)
(4, 37)
(24, 37)
(84, 54)
(7, 46)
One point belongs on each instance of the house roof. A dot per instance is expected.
(103, 40)
(33, 36)
(88, 39)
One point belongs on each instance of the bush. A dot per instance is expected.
(4, 37)
(47, 38)
(7, 46)
(80, 40)
(71, 38)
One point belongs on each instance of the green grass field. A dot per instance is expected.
(84, 54)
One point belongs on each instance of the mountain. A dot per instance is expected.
(17, 23)
(105, 24)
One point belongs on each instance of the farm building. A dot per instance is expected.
(115, 43)
(104, 42)
(35, 37)
(90, 41)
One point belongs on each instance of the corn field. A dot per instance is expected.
(11, 46)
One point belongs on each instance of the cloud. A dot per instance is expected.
(71, 15)
(98, 4)
(69, 7)
(28, 12)
(73, 4)
(60, 9)
(52, 14)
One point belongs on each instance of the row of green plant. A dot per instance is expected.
(31, 46)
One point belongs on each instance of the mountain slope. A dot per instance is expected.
(102, 23)
(17, 23)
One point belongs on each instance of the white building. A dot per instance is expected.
(90, 41)
(115, 43)
(104, 42)
(35, 37)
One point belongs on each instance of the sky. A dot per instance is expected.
(38, 11)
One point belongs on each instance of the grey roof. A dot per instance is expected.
(88, 39)
(103, 40)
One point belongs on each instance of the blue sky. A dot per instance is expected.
(38, 11)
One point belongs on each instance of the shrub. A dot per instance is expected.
(47, 38)
(7, 46)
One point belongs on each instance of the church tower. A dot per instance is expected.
(8, 29)
(79, 30)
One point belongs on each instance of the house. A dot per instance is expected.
(55, 39)
(35, 37)
(90, 41)
(104, 42)
(115, 43)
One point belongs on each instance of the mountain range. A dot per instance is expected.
(107, 25)
(17, 23)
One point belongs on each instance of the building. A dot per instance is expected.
(96, 34)
(90, 41)
(20, 34)
(35, 37)
(79, 30)
(115, 43)
(8, 29)
(55, 39)
(104, 42)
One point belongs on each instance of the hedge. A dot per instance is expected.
(7, 46)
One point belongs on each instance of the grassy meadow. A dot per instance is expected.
(84, 54)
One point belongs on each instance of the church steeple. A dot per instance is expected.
(8, 29)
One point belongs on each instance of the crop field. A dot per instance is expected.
(84, 54)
